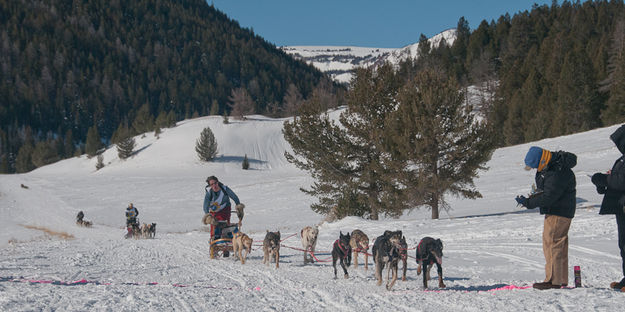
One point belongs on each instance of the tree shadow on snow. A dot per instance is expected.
(140, 150)
(499, 214)
(238, 159)
(578, 201)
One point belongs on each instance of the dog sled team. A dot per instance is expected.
(555, 197)
(133, 228)
(80, 220)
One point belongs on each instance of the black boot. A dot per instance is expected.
(618, 285)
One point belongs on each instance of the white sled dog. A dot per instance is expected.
(309, 241)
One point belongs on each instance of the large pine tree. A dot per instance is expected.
(440, 144)
(349, 162)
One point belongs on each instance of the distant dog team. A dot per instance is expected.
(81, 222)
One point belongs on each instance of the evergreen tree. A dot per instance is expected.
(171, 119)
(23, 161)
(441, 145)
(100, 162)
(291, 101)
(144, 121)
(214, 108)
(206, 145)
(126, 143)
(348, 161)
(614, 111)
(246, 163)
(577, 98)
(157, 132)
(93, 143)
(161, 121)
(241, 103)
(44, 153)
(4, 163)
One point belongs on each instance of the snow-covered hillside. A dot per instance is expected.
(340, 61)
(491, 245)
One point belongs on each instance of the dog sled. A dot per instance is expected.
(222, 233)
(133, 230)
(221, 240)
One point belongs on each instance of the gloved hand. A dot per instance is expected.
(601, 189)
(522, 200)
(599, 179)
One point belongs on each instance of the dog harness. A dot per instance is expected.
(420, 257)
(342, 249)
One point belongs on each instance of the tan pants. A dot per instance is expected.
(556, 249)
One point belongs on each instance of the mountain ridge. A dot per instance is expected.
(340, 61)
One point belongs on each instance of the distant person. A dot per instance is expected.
(80, 216)
(131, 215)
(555, 195)
(612, 185)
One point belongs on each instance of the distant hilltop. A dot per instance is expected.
(340, 61)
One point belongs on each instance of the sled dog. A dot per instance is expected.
(342, 251)
(309, 241)
(271, 247)
(359, 242)
(430, 251)
(240, 242)
(386, 253)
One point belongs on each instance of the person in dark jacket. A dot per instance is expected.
(555, 182)
(131, 215)
(612, 185)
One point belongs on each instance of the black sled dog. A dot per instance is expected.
(342, 251)
(386, 253)
(430, 251)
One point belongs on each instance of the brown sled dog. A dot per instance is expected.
(309, 241)
(271, 247)
(359, 242)
(240, 242)
(148, 230)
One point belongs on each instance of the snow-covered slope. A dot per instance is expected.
(340, 61)
(489, 243)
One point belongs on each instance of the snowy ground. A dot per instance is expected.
(489, 243)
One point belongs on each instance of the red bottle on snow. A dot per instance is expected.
(578, 276)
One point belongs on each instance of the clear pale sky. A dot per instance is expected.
(365, 23)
